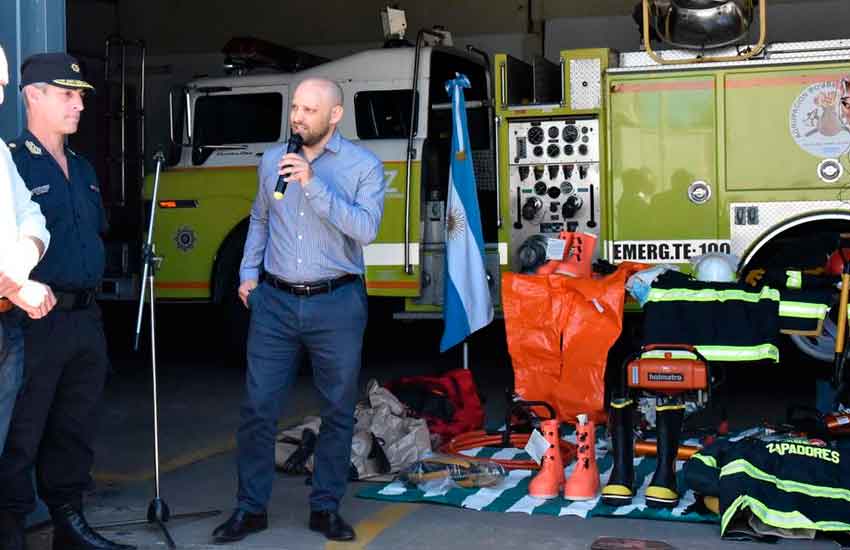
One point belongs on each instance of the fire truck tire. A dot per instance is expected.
(820, 347)
(234, 314)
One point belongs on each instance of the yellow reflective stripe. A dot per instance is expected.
(674, 354)
(711, 295)
(784, 520)
(740, 353)
(660, 408)
(721, 353)
(741, 466)
(794, 280)
(709, 461)
(802, 310)
(621, 404)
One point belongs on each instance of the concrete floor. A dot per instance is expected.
(199, 397)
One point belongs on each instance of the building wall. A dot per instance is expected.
(181, 26)
(184, 37)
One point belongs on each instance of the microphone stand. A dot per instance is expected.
(158, 511)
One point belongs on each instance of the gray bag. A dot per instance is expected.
(380, 420)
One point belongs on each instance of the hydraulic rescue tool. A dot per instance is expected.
(672, 374)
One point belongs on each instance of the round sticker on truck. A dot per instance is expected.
(819, 119)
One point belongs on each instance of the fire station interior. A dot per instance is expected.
(664, 368)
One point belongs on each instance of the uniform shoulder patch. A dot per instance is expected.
(12, 145)
(33, 148)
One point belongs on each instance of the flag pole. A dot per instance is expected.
(465, 355)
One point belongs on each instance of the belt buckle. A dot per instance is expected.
(299, 289)
(308, 290)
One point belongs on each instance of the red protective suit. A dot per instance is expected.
(559, 331)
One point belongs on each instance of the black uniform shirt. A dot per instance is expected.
(74, 211)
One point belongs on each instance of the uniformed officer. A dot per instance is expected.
(65, 352)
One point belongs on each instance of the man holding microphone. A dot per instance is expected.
(311, 298)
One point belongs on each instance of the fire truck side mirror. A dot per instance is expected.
(178, 122)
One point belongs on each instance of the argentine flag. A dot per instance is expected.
(466, 304)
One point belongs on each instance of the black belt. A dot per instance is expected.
(310, 289)
(71, 300)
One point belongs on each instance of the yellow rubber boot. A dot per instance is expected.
(620, 487)
(584, 481)
(662, 491)
(549, 480)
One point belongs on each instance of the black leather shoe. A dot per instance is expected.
(240, 525)
(12, 531)
(331, 525)
(71, 531)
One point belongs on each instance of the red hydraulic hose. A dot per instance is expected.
(480, 438)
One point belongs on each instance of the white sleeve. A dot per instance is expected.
(31, 222)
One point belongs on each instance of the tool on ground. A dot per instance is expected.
(466, 472)
(616, 543)
(510, 437)
(672, 374)
(650, 448)
(839, 377)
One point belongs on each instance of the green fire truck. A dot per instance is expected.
(662, 156)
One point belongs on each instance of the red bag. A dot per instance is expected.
(448, 403)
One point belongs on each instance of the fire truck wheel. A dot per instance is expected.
(234, 315)
(820, 347)
(235, 326)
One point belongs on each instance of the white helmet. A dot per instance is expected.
(715, 268)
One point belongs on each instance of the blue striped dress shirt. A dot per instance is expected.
(318, 231)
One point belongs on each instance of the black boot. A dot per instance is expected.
(71, 531)
(12, 531)
(620, 487)
(662, 491)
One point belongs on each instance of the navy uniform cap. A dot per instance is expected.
(57, 69)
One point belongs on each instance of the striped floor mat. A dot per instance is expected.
(512, 494)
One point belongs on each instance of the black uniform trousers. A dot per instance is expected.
(53, 425)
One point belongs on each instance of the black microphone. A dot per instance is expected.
(294, 146)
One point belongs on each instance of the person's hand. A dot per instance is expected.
(16, 267)
(245, 289)
(34, 298)
(10, 282)
(295, 167)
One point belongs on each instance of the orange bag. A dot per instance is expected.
(559, 331)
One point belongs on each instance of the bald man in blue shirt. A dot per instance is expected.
(311, 298)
